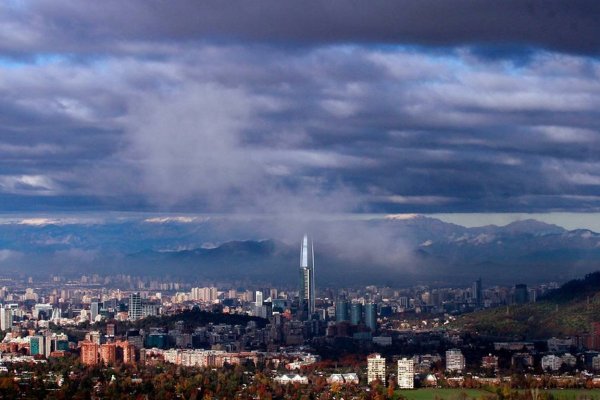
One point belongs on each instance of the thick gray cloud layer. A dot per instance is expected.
(64, 25)
(290, 107)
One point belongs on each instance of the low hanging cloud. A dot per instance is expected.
(186, 143)
(196, 143)
(9, 256)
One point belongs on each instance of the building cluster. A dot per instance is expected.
(407, 368)
(218, 358)
(373, 318)
(297, 314)
(71, 307)
(376, 371)
(34, 343)
(94, 353)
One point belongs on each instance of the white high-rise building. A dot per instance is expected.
(6, 318)
(206, 294)
(94, 310)
(375, 368)
(259, 298)
(406, 373)
(455, 361)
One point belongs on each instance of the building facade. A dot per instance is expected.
(307, 278)
(89, 353)
(6, 318)
(455, 361)
(341, 310)
(135, 307)
(375, 368)
(356, 313)
(371, 316)
(406, 373)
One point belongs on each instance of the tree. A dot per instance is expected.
(391, 388)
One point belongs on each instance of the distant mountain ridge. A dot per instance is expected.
(387, 251)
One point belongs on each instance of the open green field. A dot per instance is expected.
(446, 394)
(468, 394)
(574, 394)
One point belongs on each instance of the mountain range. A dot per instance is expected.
(393, 250)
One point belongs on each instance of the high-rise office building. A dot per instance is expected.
(521, 293)
(135, 307)
(371, 316)
(36, 345)
(342, 310)
(307, 277)
(375, 368)
(477, 292)
(60, 342)
(406, 373)
(356, 312)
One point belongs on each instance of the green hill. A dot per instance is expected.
(575, 289)
(568, 310)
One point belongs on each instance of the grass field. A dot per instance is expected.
(574, 394)
(468, 394)
(446, 394)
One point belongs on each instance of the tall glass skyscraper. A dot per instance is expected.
(342, 310)
(356, 312)
(477, 292)
(307, 278)
(371, 316)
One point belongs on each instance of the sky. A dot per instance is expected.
(458, 107)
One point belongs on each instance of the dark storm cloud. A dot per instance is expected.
(497, 26)
(345, 128)
(295, 107)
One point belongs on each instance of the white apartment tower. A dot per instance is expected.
(455, 361)
(406, 373)
(375, 368)
(6, 318)
(259, 298)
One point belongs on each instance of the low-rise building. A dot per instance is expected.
(489, 362)
(551, 362)
(343, 379)
(287, 379)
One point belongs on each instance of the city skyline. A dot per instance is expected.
(161, 161)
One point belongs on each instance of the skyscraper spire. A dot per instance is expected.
(307, 276)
